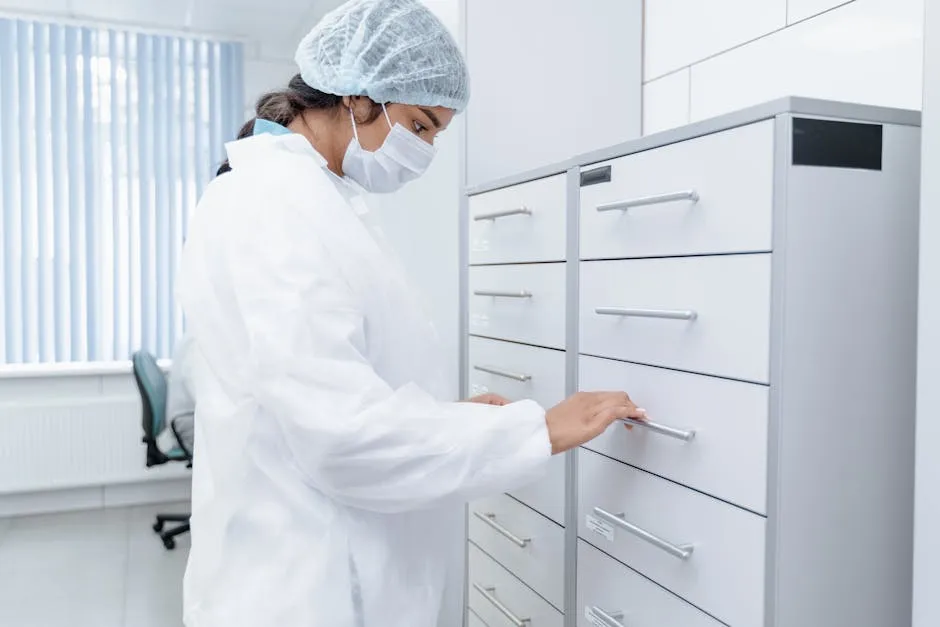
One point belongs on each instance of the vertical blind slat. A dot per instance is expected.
(73, 133)
(7, 142)
(29, 331)
(173, 118)
(44, 218)
(60, 196)
(160, 190)
(146, 148)
(202, 159)
(117, 223)
(133, 296)
(13, 211)
(186, 188)
(90, 213)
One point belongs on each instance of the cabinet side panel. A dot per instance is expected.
(844, 391)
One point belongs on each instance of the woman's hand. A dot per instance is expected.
(489, 399)
(584, 416)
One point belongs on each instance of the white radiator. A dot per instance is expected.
(74, 442)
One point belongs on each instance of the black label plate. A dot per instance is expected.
(834, 144)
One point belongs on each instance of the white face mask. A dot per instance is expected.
(402, 157)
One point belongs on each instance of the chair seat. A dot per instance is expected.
(177, 455)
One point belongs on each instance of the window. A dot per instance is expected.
(107, 138)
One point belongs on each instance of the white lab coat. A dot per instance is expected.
(330, 475)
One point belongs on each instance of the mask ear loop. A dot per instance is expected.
(387, 119)
(353, 120)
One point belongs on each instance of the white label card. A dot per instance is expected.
(600, 527)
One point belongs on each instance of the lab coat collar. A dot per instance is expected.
(249, 149)
(266, 138)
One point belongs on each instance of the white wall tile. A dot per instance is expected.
(869, 51)
(798, 10)
(666, 102)
(681, 32)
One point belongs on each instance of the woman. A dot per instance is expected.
(327, 455)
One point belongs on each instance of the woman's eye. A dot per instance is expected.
(419, 127)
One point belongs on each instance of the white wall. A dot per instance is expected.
(927, 498)
(420, 221)
(707, 58)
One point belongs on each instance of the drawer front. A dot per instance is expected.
(708, 315)
(524, 372)
(724, 572)
(547, 495)
(730, 172)
(605, 586)
(523, 303)
(501, 600)
(520, 223)
(474, 621)
(516, 371)
(540, 563)
(716, 436)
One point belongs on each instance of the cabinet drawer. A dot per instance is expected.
(540, 563)
(731, 173)
(716, 440)
(501, 600)
(522, 303)
(606, 585)
(547, 495)
(706, 551)
(700, 314)
(517, 371)
(474, 621)
(520, 223)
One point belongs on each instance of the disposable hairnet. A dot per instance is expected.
(389, 50)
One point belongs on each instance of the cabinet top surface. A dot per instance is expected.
(791, 105)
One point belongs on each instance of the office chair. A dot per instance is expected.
(151, 382)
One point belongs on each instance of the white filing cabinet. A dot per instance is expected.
(751, 282)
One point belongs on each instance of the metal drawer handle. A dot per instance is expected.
(611, 618)
(487, 593)
(672, 432)
(682, 551)
(522, 378)
(490, 519)
(667, 314)
(521, 211)
(499, 294)
(658, 199)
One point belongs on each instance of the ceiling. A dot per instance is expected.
(274, 27)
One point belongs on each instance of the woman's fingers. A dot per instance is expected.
(611, 413)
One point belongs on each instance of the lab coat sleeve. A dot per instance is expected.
(352, 436)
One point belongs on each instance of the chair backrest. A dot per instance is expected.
(151, 382)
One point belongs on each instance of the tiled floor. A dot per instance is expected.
(101, 568)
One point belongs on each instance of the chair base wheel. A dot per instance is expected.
(169, 543)
(158, 526)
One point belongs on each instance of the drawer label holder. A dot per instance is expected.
(600, 527)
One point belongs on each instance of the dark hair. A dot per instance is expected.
(283, 105)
